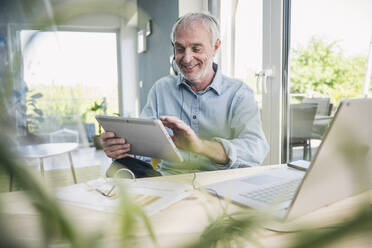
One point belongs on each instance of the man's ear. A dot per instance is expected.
(174, 67)
(217, 46)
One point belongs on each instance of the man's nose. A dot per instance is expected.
(187, 56)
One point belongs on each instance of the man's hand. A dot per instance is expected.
(114, 147)
(185, 138)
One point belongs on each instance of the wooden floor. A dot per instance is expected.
(57, 178)
(89, 164)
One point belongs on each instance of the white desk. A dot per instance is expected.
(176, 225)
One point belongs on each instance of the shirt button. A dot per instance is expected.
(194, 117)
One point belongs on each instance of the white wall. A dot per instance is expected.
(91, 13)
(186, 6)
(99, 21)
(227, 29)
(127, 54)
(129, 97)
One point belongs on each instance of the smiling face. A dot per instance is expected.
(194, 52)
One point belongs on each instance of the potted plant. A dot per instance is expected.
(98, 108)
(31, 114)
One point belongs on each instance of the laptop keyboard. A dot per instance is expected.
(274, 194)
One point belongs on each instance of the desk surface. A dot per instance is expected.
(181, 222)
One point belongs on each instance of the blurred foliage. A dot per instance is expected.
(359, 224)
(322, 68)
(231, 230)
(244, 229)
(56, 226)
(54, 222)
(223, 230)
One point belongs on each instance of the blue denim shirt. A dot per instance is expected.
(225, 111)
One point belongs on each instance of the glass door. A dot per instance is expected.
(251, 52)
(330, 42)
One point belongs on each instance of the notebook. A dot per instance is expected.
(101, 195)
(341, 167)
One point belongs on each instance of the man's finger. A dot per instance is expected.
(107, 135)
(124, 156)
(169, 124)
(117, 153)
(169, 118)
(173, 122)
(115, 141)
(115, 147)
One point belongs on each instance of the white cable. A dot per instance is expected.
(125, 169)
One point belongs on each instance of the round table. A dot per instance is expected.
(41, 151)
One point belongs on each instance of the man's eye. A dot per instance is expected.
(180, 50)
(196, 50)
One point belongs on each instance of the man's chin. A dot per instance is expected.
(194, 80)
(191, 78)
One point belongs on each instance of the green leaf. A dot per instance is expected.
(31, 101)
(36, 96)
(38, 111)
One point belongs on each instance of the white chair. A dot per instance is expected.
(322, 116)
(64, 135)
(301, 126)
(323, 103)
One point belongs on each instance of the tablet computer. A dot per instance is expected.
(147, 137)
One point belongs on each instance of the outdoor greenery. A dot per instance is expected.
(321, 68)
(60, 102)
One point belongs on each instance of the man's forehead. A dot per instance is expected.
(193, 29)
(189, 44)
(191, 24)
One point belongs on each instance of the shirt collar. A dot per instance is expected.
(216, 84)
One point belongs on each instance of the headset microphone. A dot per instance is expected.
(174, 67)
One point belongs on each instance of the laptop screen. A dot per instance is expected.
(342, 166)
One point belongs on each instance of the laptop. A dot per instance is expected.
(342, 167)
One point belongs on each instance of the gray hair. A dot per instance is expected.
(208, 20)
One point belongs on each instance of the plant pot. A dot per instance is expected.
(90, 131)
(97, 142)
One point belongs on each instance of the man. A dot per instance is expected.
(215, 119)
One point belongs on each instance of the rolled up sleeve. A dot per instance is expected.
(230, 153)
(248, 146)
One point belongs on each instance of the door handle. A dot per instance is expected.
(263, 75)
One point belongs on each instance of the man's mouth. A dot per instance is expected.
(189, 68)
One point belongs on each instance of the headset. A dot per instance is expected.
(176, 71)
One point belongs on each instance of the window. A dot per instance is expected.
(248, 43)
(72, 71)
